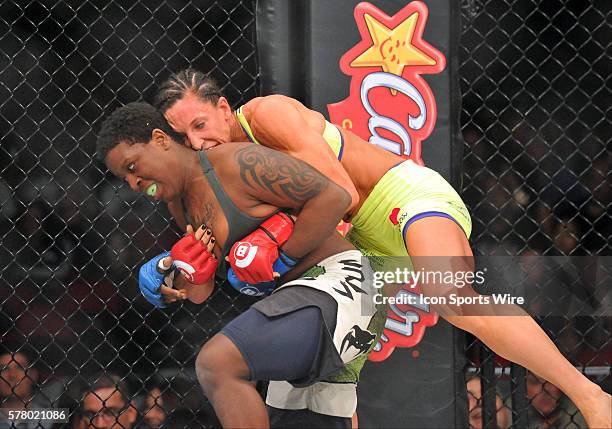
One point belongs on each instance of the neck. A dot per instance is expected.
(191, 172)
(237, 133)
(194, 188)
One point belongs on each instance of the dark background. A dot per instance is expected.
(535, 119)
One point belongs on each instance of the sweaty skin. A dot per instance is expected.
(285, 124)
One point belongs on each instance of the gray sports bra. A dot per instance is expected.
(239, 224)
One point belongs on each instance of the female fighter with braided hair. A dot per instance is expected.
(429, 218)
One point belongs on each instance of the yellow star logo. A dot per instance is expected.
(392, 49)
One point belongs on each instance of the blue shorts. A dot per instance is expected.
(277, 348)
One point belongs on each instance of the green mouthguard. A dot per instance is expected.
(151, 190)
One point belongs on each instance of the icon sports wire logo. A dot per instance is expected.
(390, 104)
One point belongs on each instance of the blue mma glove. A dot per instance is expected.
(282, 265)
(258, 289)
(150, 279)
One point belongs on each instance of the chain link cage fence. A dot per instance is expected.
(536, 96)
(72, 235)
(535, 82)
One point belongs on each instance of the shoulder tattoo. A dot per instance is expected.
(279, 173)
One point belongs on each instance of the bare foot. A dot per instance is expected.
(598, 414)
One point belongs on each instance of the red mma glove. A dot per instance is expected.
(252, 257)
(193, 259)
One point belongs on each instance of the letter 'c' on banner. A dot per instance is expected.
(390, 105)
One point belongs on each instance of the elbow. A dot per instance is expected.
(343, 199)
(334, 200)
(347, 195)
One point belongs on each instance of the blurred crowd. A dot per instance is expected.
(537, 163)
(97, 400)
(548, 407)
(537, 181)
(105, 400)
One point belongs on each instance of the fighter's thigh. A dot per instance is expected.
(436, 236)
(439, 245)
(277, 348)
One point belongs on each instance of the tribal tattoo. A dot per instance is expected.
(205, 215)
(278, 173)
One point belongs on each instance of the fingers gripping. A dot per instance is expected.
(193, 257)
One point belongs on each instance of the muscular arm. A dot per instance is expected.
(277, 123)
(274, 178)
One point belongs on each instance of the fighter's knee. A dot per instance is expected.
(210, 367)
(218, 361)
(205, 369)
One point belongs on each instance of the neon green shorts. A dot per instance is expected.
(406, 193)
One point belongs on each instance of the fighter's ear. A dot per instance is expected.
(160, 138)
(224, 105)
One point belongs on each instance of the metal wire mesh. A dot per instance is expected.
(536, 97)
(72, 236)
(536, 123)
